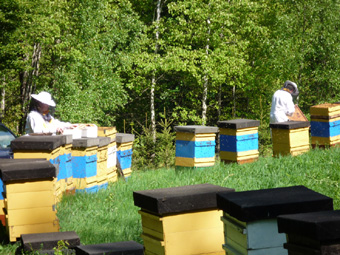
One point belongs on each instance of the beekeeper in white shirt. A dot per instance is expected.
(282, 102)
(39, 119)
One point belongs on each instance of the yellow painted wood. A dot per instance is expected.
(124, 146)
(326, 140)
(241, 131)
(244, 155)
(102, 153)
(127, 172)
(2, 206)
(324, 120)
(15, 232)
(30, 186)
(82, 152)
(183, 136)
(31, 216)
(291, 137)
(82, 183)
(194, 162)
(48, 155)
(188, 233)
(29, 200)
(107, 131)
(112, 176)
(102, 168)
(326, 109)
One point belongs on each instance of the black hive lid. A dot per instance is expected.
(238, 123)
(47, 241)
(85, 142)
(196, 129)
(269, 203)
(321, 226)
(124, 138)
(35, 143)
(119, 248)
(290, 125)
(179, 199)
(26, 169)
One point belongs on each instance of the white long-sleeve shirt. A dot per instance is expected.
(282, 106)
(35, 123)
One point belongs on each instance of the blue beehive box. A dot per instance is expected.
(195, 146)
(250, 217)
(124, 152)
(239, 140)
(84, 164)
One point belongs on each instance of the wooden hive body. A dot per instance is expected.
(239, 140)
(29, 196)
(84, 164)
(182, 220)
(250, 217)
(124, 152)
(290, 138)
(195, 146)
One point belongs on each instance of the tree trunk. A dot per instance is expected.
(205, 82)
(28, 85)
(153, 80)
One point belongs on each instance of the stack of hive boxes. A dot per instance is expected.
(290, 138)
(65, 176)
(239, 140)
(195, 146)
(181, 220)
(311, 233)
(111, 151)
(124, 152)
(325, 124)
(84, 164)
(29, 196)
(250, 217)
(42, 147)
(102, 170)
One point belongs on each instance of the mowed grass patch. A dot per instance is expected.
(110, 215)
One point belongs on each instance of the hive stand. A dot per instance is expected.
(102, 170)
(250, 217)
(325, 125)
(44, 243)
(316, 233)
(181, 220)
(239, 140)
(84, 164)
(111, 152)
(29, 197)
(290, 138)
(119, 248)
(46, 147)
(124, 152)
(195, 146)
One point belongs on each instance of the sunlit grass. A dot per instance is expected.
(110, 214)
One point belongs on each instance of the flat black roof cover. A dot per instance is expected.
(26, 169)
(179, 199)
(36, 143)
(119, 248)
(321, 226)
(269, 203)
(238, 123)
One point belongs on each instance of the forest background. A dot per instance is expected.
(146, 66)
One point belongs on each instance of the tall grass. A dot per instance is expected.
(110, 215)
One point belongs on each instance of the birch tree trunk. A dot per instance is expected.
(153, 80)
(205, 82)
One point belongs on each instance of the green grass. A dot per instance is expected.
(110, 215)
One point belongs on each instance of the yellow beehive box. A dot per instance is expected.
(107, 132)
(181, 220)
(325, 110)
(290, 138)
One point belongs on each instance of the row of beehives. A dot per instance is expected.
(195, 145)
(206, 219)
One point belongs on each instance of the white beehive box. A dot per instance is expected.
(88, 130)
